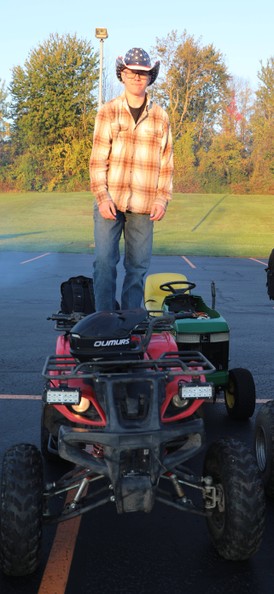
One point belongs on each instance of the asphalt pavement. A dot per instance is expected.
(165, 551)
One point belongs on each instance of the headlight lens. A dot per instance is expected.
(180, 402)
(82, 406)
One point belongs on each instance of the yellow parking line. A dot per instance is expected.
(19, 397)
(56, 574)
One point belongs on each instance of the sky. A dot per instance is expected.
(242, 30)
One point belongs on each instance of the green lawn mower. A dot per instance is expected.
(202, 328)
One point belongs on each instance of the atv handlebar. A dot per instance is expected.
(164, 321)
(65, 321)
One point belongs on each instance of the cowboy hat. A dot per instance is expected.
(137, 59)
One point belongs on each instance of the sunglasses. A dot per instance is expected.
(131, 74)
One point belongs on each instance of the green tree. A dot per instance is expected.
(185, 172)
(53, 109)
(4, 124)
(223, 166)
(5, 147)
(194, 88)
(193, 84)
(243, 97)
(262, 178)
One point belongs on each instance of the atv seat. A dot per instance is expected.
(153, 295)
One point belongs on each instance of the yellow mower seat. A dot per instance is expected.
(153, 295)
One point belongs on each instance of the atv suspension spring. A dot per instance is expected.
(178, 488)
(83, 485)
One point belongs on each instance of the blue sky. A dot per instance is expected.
(242, 30)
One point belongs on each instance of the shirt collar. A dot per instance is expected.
(125, 103)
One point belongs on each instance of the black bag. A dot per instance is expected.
(77, 295)
(270, 276)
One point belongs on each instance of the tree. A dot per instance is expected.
(5, 148)
(53, 109)
(244, 99)
(194, 88)
(4, 124)
(224, 165)
(185, 171)
(193, 84)
(262, 178)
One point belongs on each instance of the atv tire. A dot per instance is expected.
(240, 394)
(236, 523)
(264, 445)
(21, 510)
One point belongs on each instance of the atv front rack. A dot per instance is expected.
(190, 363)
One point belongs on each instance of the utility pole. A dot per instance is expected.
(102, 34)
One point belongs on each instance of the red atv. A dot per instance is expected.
(124, 405)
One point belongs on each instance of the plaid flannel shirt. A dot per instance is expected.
(132, 164)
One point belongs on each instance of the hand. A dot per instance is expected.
(157, 212)
(107, 209)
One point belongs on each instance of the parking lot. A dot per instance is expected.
(166, 550)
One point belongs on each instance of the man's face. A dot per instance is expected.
(135, 81)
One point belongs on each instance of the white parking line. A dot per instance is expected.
(188, 262)
(36, 258)
(259, 261)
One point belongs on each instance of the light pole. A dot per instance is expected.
(101, 34)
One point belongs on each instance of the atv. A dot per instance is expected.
(264, 444)
(206, 331)
(264, 422)
(124, 405)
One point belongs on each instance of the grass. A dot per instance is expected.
(195, 224)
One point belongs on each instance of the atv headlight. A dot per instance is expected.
(82, 406)
(187, 392)
(62, 396)
(193, 391)
(180, 402)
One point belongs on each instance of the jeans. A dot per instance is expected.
(138, 237)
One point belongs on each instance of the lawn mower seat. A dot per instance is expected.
(153, 295)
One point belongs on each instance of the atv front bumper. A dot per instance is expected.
(132, 462)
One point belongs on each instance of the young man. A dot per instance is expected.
(131, 168)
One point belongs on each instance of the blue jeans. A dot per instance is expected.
(138, 237)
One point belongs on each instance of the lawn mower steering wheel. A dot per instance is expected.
(171, 286)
